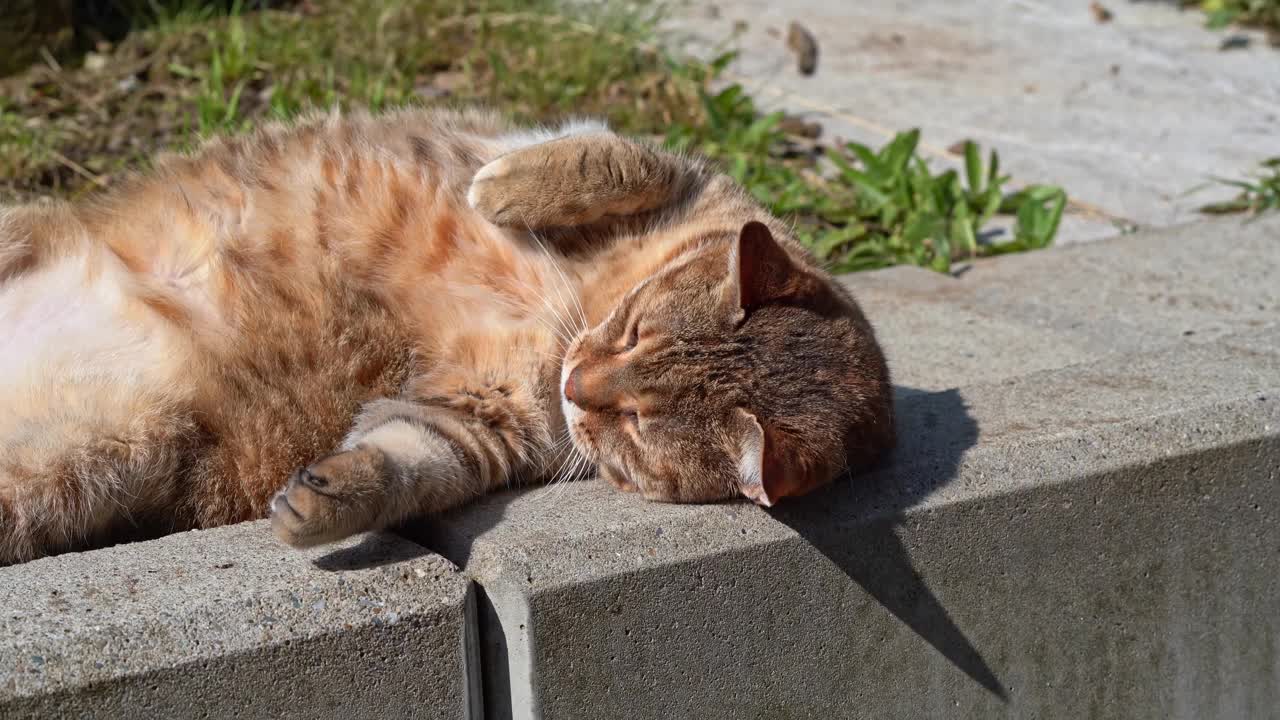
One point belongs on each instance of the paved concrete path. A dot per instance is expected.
(1127, 115)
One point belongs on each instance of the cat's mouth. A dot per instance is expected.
(578, 422)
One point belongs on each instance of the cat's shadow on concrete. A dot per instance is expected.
(853, 523)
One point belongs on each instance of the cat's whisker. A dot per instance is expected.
(563, 329)
(552, 449)
(562, 441)
(567, 457)
(566, 332)
(582, 317)
(576, 469)
(548, 356)
(569, 468)
(565, 317)
(577, 301)
(559, 315)
(555, 488)
(558, 329)
(582, 471)
(569, 289)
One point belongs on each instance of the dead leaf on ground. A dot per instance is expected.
(802, 43)
(798, 126)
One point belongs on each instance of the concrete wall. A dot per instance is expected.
(1081, 521)
(230, 623)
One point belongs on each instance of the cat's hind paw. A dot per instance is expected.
(332, 498)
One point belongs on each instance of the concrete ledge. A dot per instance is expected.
(229, 622)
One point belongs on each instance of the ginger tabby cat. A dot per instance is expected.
(426, 307)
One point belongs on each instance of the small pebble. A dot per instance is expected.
(93, 62)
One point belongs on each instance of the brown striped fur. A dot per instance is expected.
(359, 290)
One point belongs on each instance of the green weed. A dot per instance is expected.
(1257, 13)
(1256, 195)
(860, 208)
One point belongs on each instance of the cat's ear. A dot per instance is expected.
(762, 271)
(760, 267)
(767, 469)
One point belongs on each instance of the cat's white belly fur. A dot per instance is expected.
(74, 345)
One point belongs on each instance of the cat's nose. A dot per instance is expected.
(573, 385)
(593, 386)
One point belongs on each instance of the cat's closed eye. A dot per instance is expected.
(633, 336)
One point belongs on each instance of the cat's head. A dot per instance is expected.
(736, 369)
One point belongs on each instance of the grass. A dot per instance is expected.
(190, 73)
(1254, 13)
(1261, 193)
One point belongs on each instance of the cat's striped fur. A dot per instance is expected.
(338, 295)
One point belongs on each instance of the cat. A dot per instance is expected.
(355, 320)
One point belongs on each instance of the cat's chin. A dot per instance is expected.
(617, 478)
(572, 417)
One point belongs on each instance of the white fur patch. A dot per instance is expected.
(72, 316)
(402, 440)
(493, 169)
(572, 413)
(526, 138)
(751, 461)
(69, 347)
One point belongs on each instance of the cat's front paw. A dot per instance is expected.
(502, 193)
(332, 498)
(536, 188)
